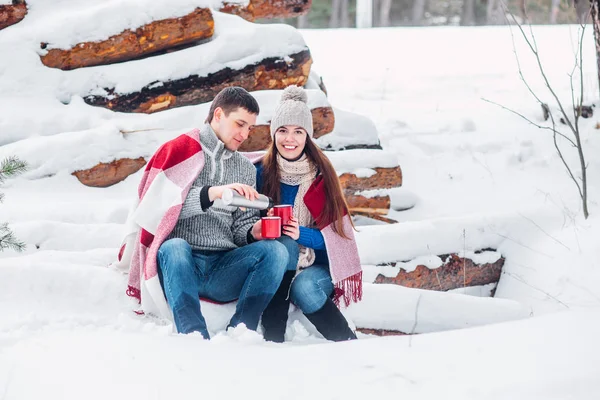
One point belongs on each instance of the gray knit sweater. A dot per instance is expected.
(218, 227)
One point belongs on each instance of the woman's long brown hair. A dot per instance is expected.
(335, 203)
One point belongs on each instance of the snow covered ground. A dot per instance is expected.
(479, 176)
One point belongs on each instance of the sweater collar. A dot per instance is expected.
(213, 144)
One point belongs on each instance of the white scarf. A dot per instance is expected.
(300, 173)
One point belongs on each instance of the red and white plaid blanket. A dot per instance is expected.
(165, 184)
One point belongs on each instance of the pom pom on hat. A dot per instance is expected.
(294, 93)
(292, 110)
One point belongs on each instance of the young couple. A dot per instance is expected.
(185, 244)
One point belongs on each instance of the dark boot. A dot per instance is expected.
(330, 322)
(275, 316)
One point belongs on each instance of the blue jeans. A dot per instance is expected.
(293, 251)
(311, 288)
(251, 274)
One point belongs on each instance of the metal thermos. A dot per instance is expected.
(232, 198)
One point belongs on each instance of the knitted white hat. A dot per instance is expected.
(292, 110)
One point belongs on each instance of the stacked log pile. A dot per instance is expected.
(366, 172)
(157, 39)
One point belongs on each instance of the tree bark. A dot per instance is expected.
(270, 73)
(493, 11)
(334, 18)
(344, 14)
(147, 39)
(554, 8)
(10, 14)
(582, 8)
(594, 12)
(418, 11)
(468, 13)
(385, 7)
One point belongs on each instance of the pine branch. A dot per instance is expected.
(11, 166)
(8, 240)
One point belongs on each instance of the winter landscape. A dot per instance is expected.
(478, 181)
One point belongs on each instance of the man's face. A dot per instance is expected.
(234, 128)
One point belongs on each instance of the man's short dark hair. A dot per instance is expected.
(230, 99)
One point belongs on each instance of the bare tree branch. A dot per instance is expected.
(520, 279)
(546, 233)
(530, 121)
(571, 121)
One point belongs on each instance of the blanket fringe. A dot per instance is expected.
(133, 292)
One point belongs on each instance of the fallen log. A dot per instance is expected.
(323, 121)
(375, 216)
(128, 45)
(270, 73)
(381, 332)
(10, 14)
(361, 205)
(384, 178)
(264, 9)
(108, 174)
(260, 136)
(246, 12)
(280, 8)
(456, 272)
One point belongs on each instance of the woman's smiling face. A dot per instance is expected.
(290, 141)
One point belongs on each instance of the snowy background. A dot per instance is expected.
(478, 176)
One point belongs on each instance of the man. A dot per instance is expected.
(196, 245)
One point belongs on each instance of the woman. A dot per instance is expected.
(295, 171)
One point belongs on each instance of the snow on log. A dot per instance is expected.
(130, 44)
(363, 175)
(254, 56)
(315, 81)
(270, 73)
(393, 308)
(351, 131)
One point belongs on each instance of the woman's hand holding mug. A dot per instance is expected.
(292, 229)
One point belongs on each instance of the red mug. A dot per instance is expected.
(285, 212)
(270, 227)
